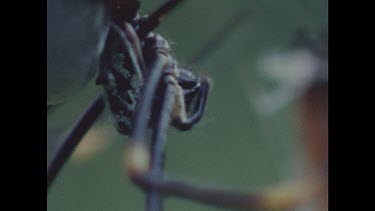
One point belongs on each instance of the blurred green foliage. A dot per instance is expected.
(233, 145)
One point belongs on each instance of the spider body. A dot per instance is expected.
(122, 84)
(124, 62)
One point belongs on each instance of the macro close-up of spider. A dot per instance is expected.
(116, 83)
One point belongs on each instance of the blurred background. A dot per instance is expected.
(267, 104)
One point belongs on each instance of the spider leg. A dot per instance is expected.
(147, 173)
(281, 197)
(180, 119)
(150, 22)
(160, 64)
(74, 136)
(185, 123)
(131, 41)
(137, 153)
(158, 141)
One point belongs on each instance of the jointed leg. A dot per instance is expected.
(160, 127)
(281, 197)
(150, 22)
(138, 160)
(74, 136)
(138, 166)
(180, 118)
(131, 41)
(137, 155)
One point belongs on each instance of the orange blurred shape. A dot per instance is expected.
(93, 143)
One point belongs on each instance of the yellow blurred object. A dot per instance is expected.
(137, 159)
(292, 194)
(93, 143)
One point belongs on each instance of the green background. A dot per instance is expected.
(233, 145)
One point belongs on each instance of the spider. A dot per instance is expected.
(122, 76)
(145, 87)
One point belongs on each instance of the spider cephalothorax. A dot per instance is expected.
(131, 51)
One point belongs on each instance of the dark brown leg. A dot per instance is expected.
(131, 41)
(150, 22)
(74, 136)
(184, 122)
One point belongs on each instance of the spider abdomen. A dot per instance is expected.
(121, 83)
